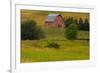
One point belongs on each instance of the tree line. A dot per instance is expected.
(81, 24)
(30, 30)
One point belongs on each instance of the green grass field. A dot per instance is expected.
(36, 50)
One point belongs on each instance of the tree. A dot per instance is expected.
(68, 21)
(30, 31)
(75, 21)
(81, 24)
(71, 32)
(86, 24)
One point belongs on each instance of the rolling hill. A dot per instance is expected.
(39, 16)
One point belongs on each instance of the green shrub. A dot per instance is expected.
(71, 32)
(30, 31)
(53, 45)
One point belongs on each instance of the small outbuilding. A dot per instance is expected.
(54, 20)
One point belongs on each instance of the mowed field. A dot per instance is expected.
(36, 50)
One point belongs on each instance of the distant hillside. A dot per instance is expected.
(39, 16)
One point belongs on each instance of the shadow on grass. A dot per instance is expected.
(83, 39)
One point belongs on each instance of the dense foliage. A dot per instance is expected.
(53, 45)
(71, 32)
(82, 24)
(30, 31)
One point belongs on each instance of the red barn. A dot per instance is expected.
(54, 20)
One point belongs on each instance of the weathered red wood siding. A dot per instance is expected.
(59, 21)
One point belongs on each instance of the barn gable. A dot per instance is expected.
(54, 20)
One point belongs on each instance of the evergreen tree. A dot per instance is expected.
(81, 24)
(68, 21)
(86, 24)
(75, 21)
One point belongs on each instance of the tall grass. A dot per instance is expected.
(36, 50)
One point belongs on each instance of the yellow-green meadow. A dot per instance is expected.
(54, 45)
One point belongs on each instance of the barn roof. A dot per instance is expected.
(51, 17)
